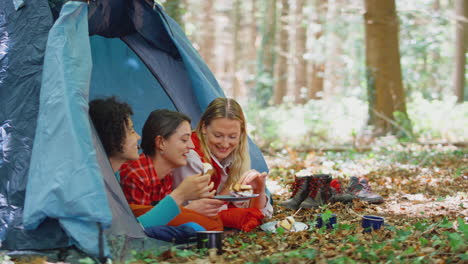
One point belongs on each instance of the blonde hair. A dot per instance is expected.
(230, 109)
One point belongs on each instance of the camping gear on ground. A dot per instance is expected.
(300, 190)
(371, 223)
(329, 223)
(272, 226)
(210, 240)
(57, 189)
(361, 189)
(338, 195)
(313, 190)
(319, 191)
(309, 191)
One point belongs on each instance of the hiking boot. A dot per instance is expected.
(338, 195)
(319, 191)
(336, 185)
(300, 192)
(343, 198)
(362, 190)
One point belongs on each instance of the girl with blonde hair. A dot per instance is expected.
(221, 140)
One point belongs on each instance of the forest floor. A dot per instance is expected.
(426, 211)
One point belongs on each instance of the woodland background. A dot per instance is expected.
(371, 88)
(323, 73)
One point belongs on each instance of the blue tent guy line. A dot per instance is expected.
(57, 189)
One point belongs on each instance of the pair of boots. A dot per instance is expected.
(315, 190)
(310, 192)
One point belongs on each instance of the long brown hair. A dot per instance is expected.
(160, 122)
(230, 109)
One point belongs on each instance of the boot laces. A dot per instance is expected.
(313, 187)
(296, 184)
(365, 185)
(354, 185)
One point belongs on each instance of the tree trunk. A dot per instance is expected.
(300, 70)
(253, 35)
(436, 5)
(175, 10)
(236, 48)
(207, 43)
(387, 107)
(266, 54)
(435, 54)
(318, 65)
(461, 44)
(334, 64)
(281, 75)
(250, 67)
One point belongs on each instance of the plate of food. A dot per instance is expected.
(232, 198)
(239, 192)
(288, 224)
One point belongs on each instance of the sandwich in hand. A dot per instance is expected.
(287, 223)
(242, 190)
(207, 168)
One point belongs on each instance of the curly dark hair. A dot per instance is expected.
(160, 123)
(110, 118)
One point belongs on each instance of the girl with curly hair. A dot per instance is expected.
(113, 123)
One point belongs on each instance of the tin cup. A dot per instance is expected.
(371, 222)
(329, 223)
(209, 240)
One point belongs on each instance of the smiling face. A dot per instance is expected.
(130, 143)
(177, 146)
(222, 137)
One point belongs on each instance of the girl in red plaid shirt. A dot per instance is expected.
(113, 123)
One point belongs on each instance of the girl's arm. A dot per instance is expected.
(161, 214)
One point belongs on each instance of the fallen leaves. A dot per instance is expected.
(425, 211)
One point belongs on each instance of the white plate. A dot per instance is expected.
(232, 198)
(271, 227)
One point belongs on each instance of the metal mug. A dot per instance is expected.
(210, 239)
(329, 224)
(371, 222)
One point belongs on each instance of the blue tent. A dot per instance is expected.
(57, 189)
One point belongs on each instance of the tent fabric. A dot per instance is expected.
(130, 79)
(125, 233)
(123, 221)
(66, 184)
(188, 83)
(18, 4)
(135, 52)
(170, 72)
(23, 36)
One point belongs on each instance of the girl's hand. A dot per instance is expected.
(208, 207)
(194, 187)
(256, 179)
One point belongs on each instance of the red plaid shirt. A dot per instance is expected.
(141, 184)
